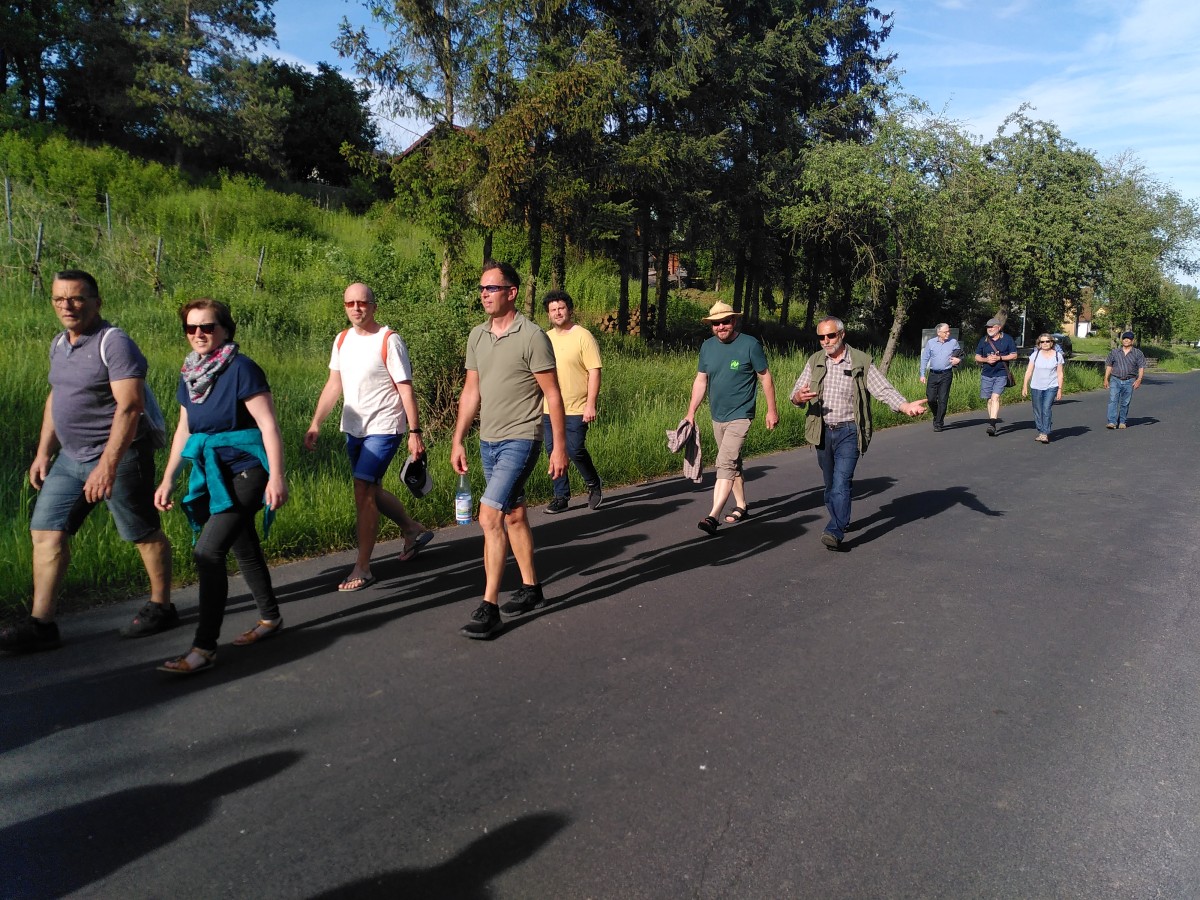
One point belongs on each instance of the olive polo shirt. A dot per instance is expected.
(510, 399)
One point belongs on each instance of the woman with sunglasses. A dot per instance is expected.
(1044, 378)
(229, 433)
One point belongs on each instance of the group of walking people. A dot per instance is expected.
(529, 389)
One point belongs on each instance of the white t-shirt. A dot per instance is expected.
(370, 402)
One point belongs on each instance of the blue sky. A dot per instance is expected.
(1115, 77)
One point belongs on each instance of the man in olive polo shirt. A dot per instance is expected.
(510, 372)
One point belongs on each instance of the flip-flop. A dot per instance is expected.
(410, 552)
(361, 582)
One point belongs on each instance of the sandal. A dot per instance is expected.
(736, 515)
(262, 630)
(411, 550)
(180, 665)
(708, 525)
(354, 583)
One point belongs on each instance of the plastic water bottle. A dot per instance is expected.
(463, 501)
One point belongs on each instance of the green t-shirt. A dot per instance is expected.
(732, 371)
(510, 399)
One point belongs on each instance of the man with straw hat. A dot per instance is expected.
(731, 366)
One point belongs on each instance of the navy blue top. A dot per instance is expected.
(1004, 346)
(225, 408)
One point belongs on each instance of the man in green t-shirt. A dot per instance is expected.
(731, 366)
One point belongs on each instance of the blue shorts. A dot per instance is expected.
(507, 465)
(992, 384)
(60, 505)
(371, 455)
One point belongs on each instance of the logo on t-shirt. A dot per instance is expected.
(734, 364)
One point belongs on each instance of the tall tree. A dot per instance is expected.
(181, 41)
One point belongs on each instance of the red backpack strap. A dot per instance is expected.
(387, 333)
(341, 339)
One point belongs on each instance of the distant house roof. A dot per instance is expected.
(424, 139)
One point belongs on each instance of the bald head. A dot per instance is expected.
(359, 291)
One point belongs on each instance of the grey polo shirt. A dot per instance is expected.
(84, 405)
(510, 397)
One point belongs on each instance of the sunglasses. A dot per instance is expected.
(723, 322)
(205, 327)
(1045, 342)
(350, 304)
(493, 288)
(832, 336)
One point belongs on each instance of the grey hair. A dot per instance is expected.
(841, 326)
(941, 325)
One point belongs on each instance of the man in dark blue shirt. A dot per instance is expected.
(994, 352)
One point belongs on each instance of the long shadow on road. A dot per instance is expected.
(68, 849)
(467, 875)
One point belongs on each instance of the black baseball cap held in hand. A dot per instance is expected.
(415, 475)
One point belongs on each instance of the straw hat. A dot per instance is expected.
(720, 311)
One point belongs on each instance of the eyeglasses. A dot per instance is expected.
(1045, 342)
(831, 336)
(205, 327)
(69, 301)
(350, 304)
(493, 288)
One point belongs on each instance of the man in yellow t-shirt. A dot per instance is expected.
(577, 357)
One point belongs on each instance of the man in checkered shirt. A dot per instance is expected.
(838, 383)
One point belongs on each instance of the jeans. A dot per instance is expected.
(937, 391)
(577, 453)
(1119, 394)
(838, 456)
(60, 505)
(1043, 403)
(507, 465)
(233, 530)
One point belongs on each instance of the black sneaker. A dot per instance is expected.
(29, 636)
(595, 498)
(557, 505)
(524, 598)
(830, 541)
(485, 622)
(991, 429)
(151, 619)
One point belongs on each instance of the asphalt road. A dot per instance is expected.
(993, 693)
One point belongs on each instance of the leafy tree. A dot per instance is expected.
(179, 43)
(325, 112)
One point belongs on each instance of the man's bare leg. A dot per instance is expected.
(520, 539)
(495, 550)
(51, 555)
(156, 557)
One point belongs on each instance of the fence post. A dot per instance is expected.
(8, 205)
(36, 268)
(158, 285)
(258, 275)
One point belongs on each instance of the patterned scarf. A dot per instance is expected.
(200, 372)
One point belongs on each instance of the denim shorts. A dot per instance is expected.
(992, 384)
(60, 505)
(507, 465)
(371, 455)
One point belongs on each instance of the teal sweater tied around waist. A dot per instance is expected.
(207, 481)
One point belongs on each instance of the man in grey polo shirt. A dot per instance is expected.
(510, 371)
(93, 421)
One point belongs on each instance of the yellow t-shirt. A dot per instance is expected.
(575, 352)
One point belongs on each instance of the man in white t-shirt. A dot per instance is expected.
(370, 371)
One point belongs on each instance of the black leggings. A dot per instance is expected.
(233, 530)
